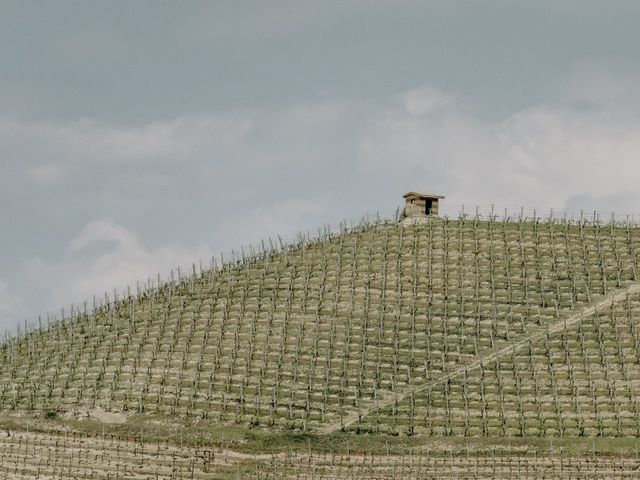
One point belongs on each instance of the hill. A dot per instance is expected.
(452, 329)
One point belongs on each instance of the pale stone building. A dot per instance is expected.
(420, 206)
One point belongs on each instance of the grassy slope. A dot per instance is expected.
(303, 339)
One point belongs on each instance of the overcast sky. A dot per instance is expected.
(139, 136)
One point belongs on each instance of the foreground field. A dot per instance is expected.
(37, 455)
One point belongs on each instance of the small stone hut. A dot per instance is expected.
(419, 205)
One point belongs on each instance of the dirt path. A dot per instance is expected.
(610, 299)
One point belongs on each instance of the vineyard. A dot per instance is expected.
(32, 455)
(467, 328)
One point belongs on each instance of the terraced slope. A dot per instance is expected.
(338, 333)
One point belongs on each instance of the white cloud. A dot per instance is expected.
(544, 155)
(425, 100)
(90, 142)
(102, 257)
(181, 189)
